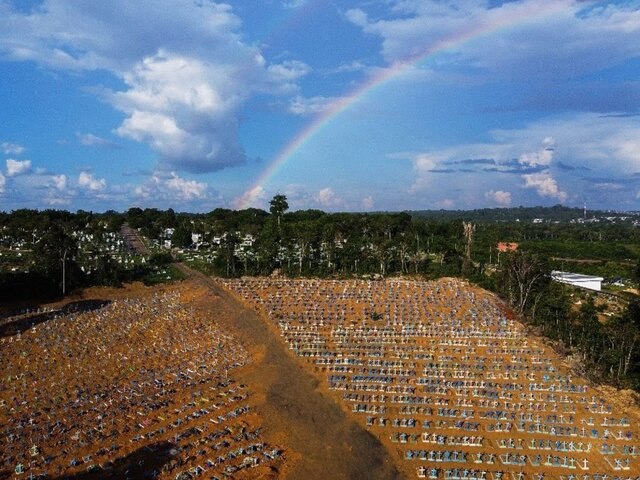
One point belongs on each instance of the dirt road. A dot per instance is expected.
(326, 442)
(133, 240)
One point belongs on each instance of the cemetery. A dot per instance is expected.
(150, 382)
(135, 387)
(448, 379)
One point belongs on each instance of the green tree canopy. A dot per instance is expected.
(278, 205)
(181, 237)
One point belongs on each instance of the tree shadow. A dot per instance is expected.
(146, 462)
(20, 325)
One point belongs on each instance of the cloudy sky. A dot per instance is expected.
(339, 104)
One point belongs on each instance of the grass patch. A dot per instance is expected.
(167, 274)
(201, 266)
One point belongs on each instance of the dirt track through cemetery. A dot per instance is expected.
(326, 443)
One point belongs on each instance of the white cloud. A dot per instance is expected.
(171, 188)
(59, 181)
(519, 38)
(87, 181)
(545, 185)
(3, 182)
(183, 92)
(186, 189)
(354, 66)
(18, 167)
(588, 140)
(40, 189)
(422, 163)
(11, 148)
(285, 75)
(358, 17)
(255, 197)
(75, 34)
(185, 109)
(542, 157)
(368, 203)
(327, 198)
(499, 197)
(57, 201)
(544, 154)
(91, 140)
(608, 186)
(311, 106)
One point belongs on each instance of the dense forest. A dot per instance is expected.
(51, 252)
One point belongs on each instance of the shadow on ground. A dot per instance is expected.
(20, 325)
(146, 462)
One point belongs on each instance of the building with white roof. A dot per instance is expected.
(578, 280)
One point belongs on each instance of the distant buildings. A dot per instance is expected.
(578, 280)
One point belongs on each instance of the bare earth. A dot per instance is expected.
(317, 379)
(80, 399)
(322, 439)
(129, 383)
(444, 375)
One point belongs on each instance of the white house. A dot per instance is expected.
(196, 238)
(578, 280)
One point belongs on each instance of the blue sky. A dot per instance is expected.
(394, 104)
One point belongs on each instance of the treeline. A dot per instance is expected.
(557, 213)
(60, 251)
(312, 242)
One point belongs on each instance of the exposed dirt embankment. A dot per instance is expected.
(322, 440)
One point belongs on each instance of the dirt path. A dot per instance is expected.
(327, 443)
(133, 240)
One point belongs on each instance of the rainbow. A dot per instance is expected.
(509, 17)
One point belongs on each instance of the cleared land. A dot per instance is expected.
(322, 379)
(141, 386)
(448, 380)
(322, 440)
(154, 383)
